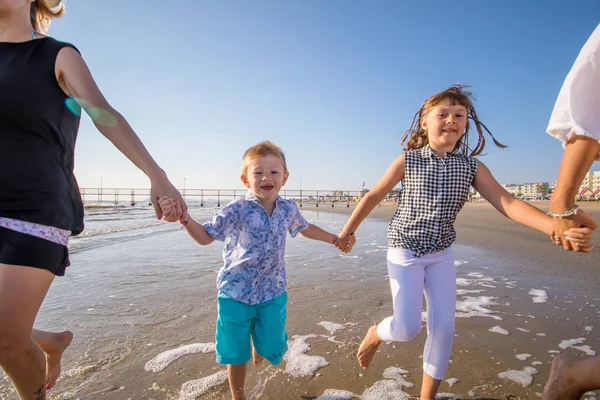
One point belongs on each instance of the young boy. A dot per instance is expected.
(252, 283)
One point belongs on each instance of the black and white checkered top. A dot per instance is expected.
(433, 192)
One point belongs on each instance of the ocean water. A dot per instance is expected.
(140, 298)
(136, 283)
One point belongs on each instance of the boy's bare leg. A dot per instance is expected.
(256, 358)
(53, 344)
(570, 379)
(236, 373)
(429, 387)
(368, 347)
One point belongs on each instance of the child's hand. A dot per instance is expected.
(563, 225)
(168, 207)
(580, 238)
(578, 227)
(345, 242)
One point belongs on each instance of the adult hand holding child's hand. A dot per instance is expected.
(345, 242)
(168, 207)
(574, 232)
(161, 187)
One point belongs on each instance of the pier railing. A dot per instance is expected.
(220, 197)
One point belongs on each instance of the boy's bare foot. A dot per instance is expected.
(257, 359)
(368, 347)
(54, 354)
(561, 385)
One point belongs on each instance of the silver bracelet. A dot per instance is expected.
(567, 213)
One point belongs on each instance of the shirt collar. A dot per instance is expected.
(250, 196)
(427, 152)
(455, 152)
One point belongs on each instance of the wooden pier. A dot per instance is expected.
(220, 197)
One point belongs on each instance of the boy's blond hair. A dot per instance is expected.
(262, 149)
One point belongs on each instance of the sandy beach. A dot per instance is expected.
(521, 261)
(142, 305)
(479, 224)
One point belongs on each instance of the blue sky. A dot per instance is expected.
(334, 82)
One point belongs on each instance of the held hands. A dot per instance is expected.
(168, 207)
(345, 242)
(574, 233)
(161, 187)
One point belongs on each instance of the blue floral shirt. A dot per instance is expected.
(254, 270)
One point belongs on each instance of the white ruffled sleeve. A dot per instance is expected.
(577, 109)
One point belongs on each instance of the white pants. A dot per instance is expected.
(410, 277)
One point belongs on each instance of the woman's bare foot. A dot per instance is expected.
(561, 385)
(54, 350)
(257, 359)
(368, 347)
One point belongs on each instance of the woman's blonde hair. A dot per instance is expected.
(416, 137)
(42, 13)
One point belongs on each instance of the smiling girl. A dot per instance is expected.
(437, 170)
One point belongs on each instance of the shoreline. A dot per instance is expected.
(480, 225)
(524, 260)
(520, 301)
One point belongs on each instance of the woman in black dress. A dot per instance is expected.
(42, 83)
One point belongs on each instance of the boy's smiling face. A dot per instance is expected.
(265, 176)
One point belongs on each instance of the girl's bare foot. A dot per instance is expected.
(54, 351)
(257, 359)
(561, 385)
(368, 347)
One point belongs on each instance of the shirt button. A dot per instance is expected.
(268, 251)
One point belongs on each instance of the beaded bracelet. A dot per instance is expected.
(567, 213)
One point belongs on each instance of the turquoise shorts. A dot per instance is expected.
(237, 321)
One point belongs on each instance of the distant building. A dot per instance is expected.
(340, 195)
(361, 194)
(512, 188)
(590, 186)
(551, 188)
(535, 189)
(474, 195)
(394, 194)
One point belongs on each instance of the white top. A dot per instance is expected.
(577, 108)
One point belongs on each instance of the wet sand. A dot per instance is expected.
(152, 302)
(518, 259)
(479, 224)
